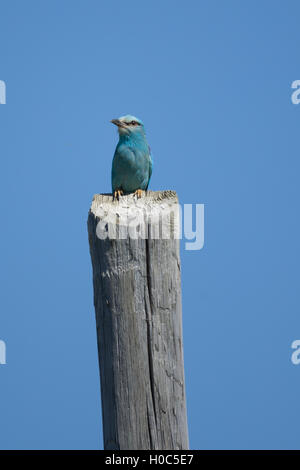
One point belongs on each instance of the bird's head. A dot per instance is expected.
(129, 125)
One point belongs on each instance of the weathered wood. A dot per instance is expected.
(137, 298)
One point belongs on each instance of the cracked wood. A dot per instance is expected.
(137, 298)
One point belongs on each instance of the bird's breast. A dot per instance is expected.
(131, 166)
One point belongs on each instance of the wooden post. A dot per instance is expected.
(137, 298)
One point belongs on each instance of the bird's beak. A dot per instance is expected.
(117, 122)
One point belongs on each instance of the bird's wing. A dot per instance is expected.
(150, 167)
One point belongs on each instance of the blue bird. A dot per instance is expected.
(132, 162)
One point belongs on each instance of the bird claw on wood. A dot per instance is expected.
(138, 193)
(117, 194)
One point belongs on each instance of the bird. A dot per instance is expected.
(132, 162)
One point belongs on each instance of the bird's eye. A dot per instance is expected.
(133, 123)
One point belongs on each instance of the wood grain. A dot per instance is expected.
(137, 298)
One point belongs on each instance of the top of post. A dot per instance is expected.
(157, 211)
(149, 198)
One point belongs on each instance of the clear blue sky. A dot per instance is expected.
(211, 81)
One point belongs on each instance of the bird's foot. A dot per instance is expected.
(118, 193)
(138, 193)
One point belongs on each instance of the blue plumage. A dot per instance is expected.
(132, 162)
